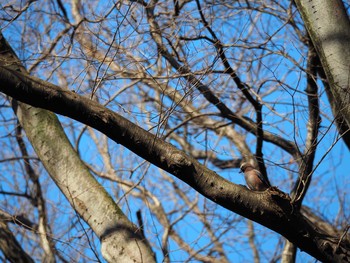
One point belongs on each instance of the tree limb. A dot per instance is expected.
(271, 208)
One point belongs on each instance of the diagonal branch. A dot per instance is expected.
(271, 208)
(70, 174)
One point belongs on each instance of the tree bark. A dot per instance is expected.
(329, 28)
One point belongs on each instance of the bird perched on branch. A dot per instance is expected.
(254, 179)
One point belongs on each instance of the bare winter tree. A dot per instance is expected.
(158, 104)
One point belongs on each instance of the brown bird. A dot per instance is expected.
(254, 179)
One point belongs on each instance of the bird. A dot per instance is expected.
(254, 179)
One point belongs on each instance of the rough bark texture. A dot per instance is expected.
(329, 28)
(271, 208)
(120, 240)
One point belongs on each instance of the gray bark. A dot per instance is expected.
(329, 28)
(119, 238)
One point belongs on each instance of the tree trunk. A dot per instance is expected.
(329, 27)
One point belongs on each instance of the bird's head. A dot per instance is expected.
(245, 166)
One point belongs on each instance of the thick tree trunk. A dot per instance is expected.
(329, 28)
